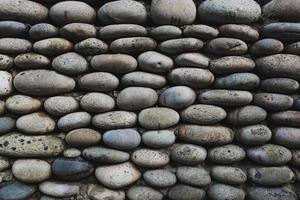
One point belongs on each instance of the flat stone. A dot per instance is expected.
(165, 32)
(16, 191)
(231, 64)
(268, 193)
(105, 155)
(266, 47)
(279, 85)
(31, 60)
(70, 64)
(219, 191)
(83, 137)
(226, 154)
(61, 105)
(200, 31)
(7, 124)
(98, 192)
(181, 45)
(155, 62)
(143, 79)
(115, 31)
(91, 46)
(159, 178)
(97, 102)
(14, 45)
(242, 32)
(99, 82)
(188, 154)
(228, 175)
(226, 47)
(143, 192)
(273, 101)
(195, 176)
(124, 139)
(42, 31)
(78, 31)
(253, 135)
(150, 158)
(74, 120)
(283, 31)
(59, 189)
(12, 29)
(185, 192)
(192, 60)
(287, 136)
(159, 138)
(52, 46)
(283, 10)
(238, 81)
(133, 45)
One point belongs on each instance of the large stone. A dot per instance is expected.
(273, 101)
(31, 60)
(227, 154)
(185, 192)
(231, 64)
(219, 191)
(16, 191)
(159, 138)
(159, 178)
(266, 47)
(155, 62)
(78, 31)
(99, 82)
(228, 175)
(133, 45)
(181, 45)
(143, 79)
(12, 29)
(271, 193)
(14, 45)
(165, 32)
(195, 176)
(124, 139)
(242, 32)
(287, 136)
(74, 120)
(238, 81)
(253, 135)
(112, 32)
(42, 31)
(83, 137)
(283, 31)
(192, 60)
(143, 192)
(61, 105)
(6, 62)
(279, 85)
(7, 124)
(150, 158)
(70, 64)
(97, 102)
(226, 47)
(283, 10)
(59, 189)
(53, 46)
(21, 104)
(188, 154)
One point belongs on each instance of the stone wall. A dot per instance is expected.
(161, 99)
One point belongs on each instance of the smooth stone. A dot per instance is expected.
(6, 62)
(136, 98)
(43, 82)
(18, 145)
(188, 154)
(23, 10)
(283, 10)
(273, 101)
(220, 191)
(159, 138)
(227, 154)
(287, 136)
(61, 105)
(271, 193)
(200, 31)
(52, 46)
(115, 31)
(192, 60)
(4, 163)
(238, 81)
(83, 137)
(22, 104)
(143, 79)
(205, 135)
(31, 170)
(133, 45)
(35, 123)
(150, 158)
(71, 153)
(143, 193)
(269, 154)
(105, 155)
(242, 32)
(16, 191)
(78, 31)
(229, 11)
(295, 159)
(71, 170)
(293, 48)
(181, 45)
(70, 64)
(98, 192)
(42, 31)
(118, 176)
(31, 60)
(123, 139)
(6, 86)
(185, 192)
(203, 114)
(7, 124)
(195, 176)
(286, 118)
(270, 176)
(122, 12)
(12, 29)
(226, 47)
(228, 175)
(279, 85)
(225, 97)
(99, 82)
(97, 102)
(266, 47)
(231, 64)
(283, 31)
(74, 120)
(115, 120)
(59, 189)
(66, 12)
(173, 12)
(253, 135)
(155, 62)
(296, 104)
(165, 32)
(14, 45)
(160, 178)
(2, 107)
(91, 46)
(158, 118)
(192, 77)
(114, 63)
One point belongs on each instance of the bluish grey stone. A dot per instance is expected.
(238, 81)
(266, 47)
(7, 124)
(16, 191)
(12, 29)
(42, 31)
(124, 139)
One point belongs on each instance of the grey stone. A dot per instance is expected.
(185, 192)
(6, 62)
(283, 31)
(227, 154)
(98, 192)
(59, 189)
(115, 31)
(242, 32)
(91, 46)
(42, 31)
(188, 154)
(165, 32)
(143, 193)
(78, 31)
(287, 136)
(273, 101)
(219, 191)
(143, 79)
(279, 85)
(99, 82)
(52, 46)
(61, 105)
(253, 135)
(14, 45)
(70, 64)
(150, 158)
(226, 47)
(293, 48)
(231, 64)
(283, 10)
(31, 60)
(155, 62)
(195, 176)
(159, 178)
(133, 45)
(6, 86)
(238, 81)
(159, 138)
(97, 102)
(71, 153)
(181, 45)
(200, 31)
(7, 124)
(74, 120)
(228, 175)
(192, 60)
(124, 139)
(274, 193)
(83, 137)
(266, 47)
(12, 29)
(16, 191)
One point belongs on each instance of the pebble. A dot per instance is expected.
(279, 85)
(31, 61)
(273, 101)
(6, 62)
(228, 175)
(220, 191)
(98, 192)
(136, 98)
(155, 62)
(266, 47)
(66, 12)
(70, 64)
(150, 158)
(59, 189)
(99, 82)
(192, 60)
(22, 104)
(83, 137)
(188, 154)
(117, 176)
(287, 136)
(158, 118)
(4, 163)
(14, 45)
(35, 123)
(200, 31)
(16, 191)
(78, 31)
(31, 170)
(173, 12)
(7, 124)
(133, 45)
(123, 139)
(6, 87)
(159, 138)
(105, 155)
(283, 31)
(122, 12)
(42, 31)
(238, 81)
(185, 192)
(143, 192)
(227, 154)
(71, 170)
(195, 176)
(114, 63)
(205, 135)
(12, 29)
(293, 48)
(253, 135)
(97, 102)
(143, 79)
(203, 114)
(269, 154)
(226, 97)
(231, 64)
(226, 47)
(74, 120)
(165, 32)
(115, 31)
(115, 120)
(192, 77)
(181, 45)
(229, 11)
(23, 10)
(242, 32)
(160, 178)
(18, 145)
(91, 46)
(282, 10)
(60, 105)
(271, 193)
(71, 153)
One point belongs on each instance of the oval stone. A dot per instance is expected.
(133, 45)
(227, 154)
(200, 31)
(150, 158)
(293, 48)
(282, 10)
(226, 47)
(59, 189)
(195, 176)
(272, 101)
(242, 32)
(253, 135)
(154, 62)
(97, 102)
(159, 178)
(16, 191)
(71, 153)
(192, 60)
(14, 45)
(31, 60)
(181, 45)
(78, 31)
(42, 31)
(185, 192)
(74, 120)
(143, 192)
(7, 124)
(124, 139)
(105, 155)
(6, 87)
(238, 81)
(287, 136)
(115, 31)
(231, 64)
(279, 85)
(257, 193)
(12, 29)
(70, 64)
(283, 31)
(83, 137)
(229, 175)
(99, 82)
(143, 79)
(91, 46)
(220, 191)
(159, 138)
(52, 46)
(6, 62)
(286, 118)
(165, 32)
(266, 47)
(60, 105)
(98, 192)
(188, 154)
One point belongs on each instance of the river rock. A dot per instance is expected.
(6, 87)
(159, 138)
(31, 170)
(16, 191)
(70, 64)
(98, 192)
(159, 178)
(293, 48)
(283, 31)
(242, 32)
(2, 107)
(74, 120)
(226, 46)
(78, 31)
(105, 155)
(91, 46)
(282, 10)
(42, 31)
(287, 136)
(6, 62)
(165, 32)
(21, 104)
(83, 137)
(272, 101)
(238, 81)
(59, 189)
(14, 45)
(31, 60)
(226, 154)
(231, 64)
(219, 191)
(228, 175)
(52, 46)
(12, 29)
(115, 120)
(143, 79)
(115, 31)
(192, 60)
(143, 192)
(181, 45)
(154, 62)
(124, 139)
(7, 124)
(99, 82)
(271, 193)
(97, 102)
(188, 154)
(200, 31)
(71, 153)
(61, 105)
(133, 45)
(286, 118)
(253, 135)
(185, 192)
(279, 85)
(266, 47)
(150, 158)
(195, 176)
